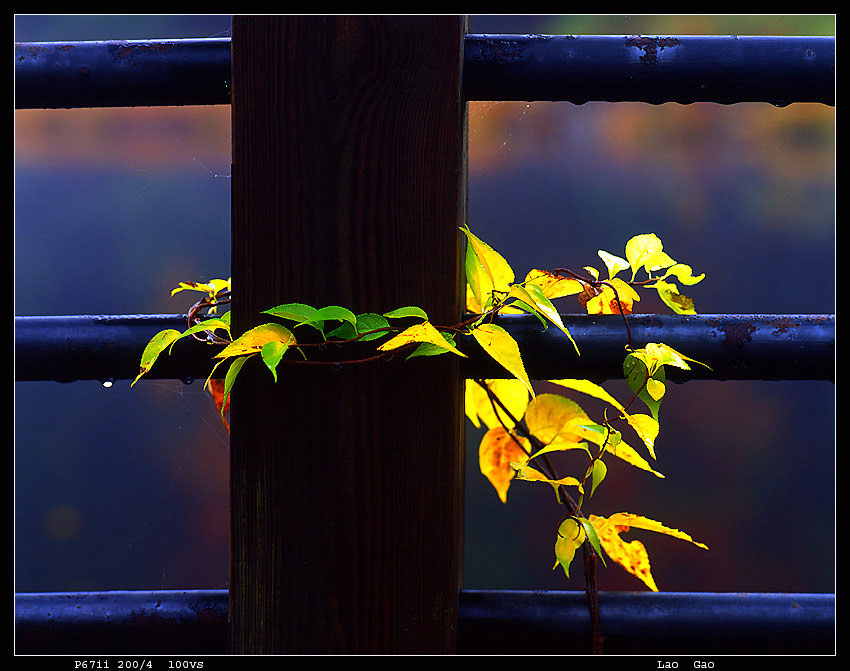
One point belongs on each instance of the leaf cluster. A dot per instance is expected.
(525, 430)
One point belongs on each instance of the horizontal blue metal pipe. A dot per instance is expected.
(736, 347)
(573, 68)
(489, 622)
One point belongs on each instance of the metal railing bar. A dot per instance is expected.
(489, 622)
(684, 69)
(652, 69)
(122, 73)
(736, 347)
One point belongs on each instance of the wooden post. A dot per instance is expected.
(348, 183)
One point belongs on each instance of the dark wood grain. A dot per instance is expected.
(348, 187)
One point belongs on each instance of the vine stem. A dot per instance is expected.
(590, 588)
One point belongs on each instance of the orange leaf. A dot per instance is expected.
(632, 556)
(497, 450)
(216, 391)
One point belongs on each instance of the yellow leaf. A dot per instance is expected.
(684, 273)
(642, 250)
(253, 340)
(512, 393)
(570, 537)
(472, 304)
(532, 296)
(669, 293)
(614, 263)
(496, 451)
(497, 269)
(424, 332)
(605, 302)
(554, 286)
(550, 417)
(632, 556)
(504, 349)
(591, 389)
(627, 453)
(526, 472)
(646, 428)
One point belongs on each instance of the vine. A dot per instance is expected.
(524, 429)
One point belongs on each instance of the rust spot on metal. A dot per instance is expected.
(737, 335)
(501, 51)
(128, 50)
(651, 46)
(782, 324)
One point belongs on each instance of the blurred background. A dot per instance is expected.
(127, 489)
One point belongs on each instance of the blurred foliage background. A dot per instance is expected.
(121, 489)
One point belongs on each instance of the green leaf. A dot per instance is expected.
(272, 353)
(335, 312)
(300, 313)
(571, 535)
(635, 371)
(154, 348)
(230, 378)
(498, 343)
(409, 311)
(597, 474)
(206, 325)
(430, 349)
(368, 321)
(590, 532)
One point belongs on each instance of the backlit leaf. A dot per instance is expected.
(272, 353)
(526, 472)
(614, 264)
(551, 417)
(408, 311)
(570, 537)
(597, 433)
(669, 293)
(498, 343)
(597, 474)
(684, 273)
(544, 306)
(646, 428)
(423, 333)
(512, 393)
(632, 556)
(253, 340)
(591, 389)
(646, 251)
(429, 349)
(297, 312)
(230, 378)
(495, 266)
(154, 348)
(496, 451)
(211, 288)
(605, 301)
(636, 372)
(554, 286)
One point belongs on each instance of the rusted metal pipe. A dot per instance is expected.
(736, 347)
(573, 68)
(652, 69)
